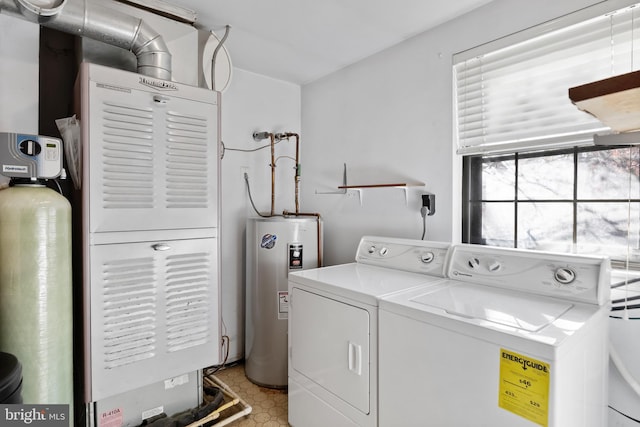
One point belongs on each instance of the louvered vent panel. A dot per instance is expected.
(187, 293)
(187, 171)
(127, 157)
(129, 311)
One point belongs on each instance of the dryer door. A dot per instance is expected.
(330, 345)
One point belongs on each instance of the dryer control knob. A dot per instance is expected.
(565, 275)
(384, 251)
(495, 266)
(372, 249)
(427, 257)
(474, 263)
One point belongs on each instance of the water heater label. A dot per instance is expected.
(283, 304)
(295, 256)
(268, 241)
(524, 386)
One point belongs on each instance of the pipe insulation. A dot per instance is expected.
(90, 19)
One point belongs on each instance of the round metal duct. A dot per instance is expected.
(35, 10)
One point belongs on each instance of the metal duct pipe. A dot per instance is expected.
(92, 20)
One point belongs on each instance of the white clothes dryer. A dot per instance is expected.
(514, 338)
(333, 321)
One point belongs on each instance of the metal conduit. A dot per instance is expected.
(90, 19)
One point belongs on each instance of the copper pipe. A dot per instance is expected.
(297, 168)
(273, 174)
(297, 176)
(318, 230)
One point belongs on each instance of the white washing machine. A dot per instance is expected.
(624, 366)
(333, 321)
(514, 338)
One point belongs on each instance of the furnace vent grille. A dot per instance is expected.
(186, 162)
(129, 311)
(187, 292)
(127, 157)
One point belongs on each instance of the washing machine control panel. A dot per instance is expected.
(574, 277)
(403, 254)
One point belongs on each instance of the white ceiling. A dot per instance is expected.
(302, 40)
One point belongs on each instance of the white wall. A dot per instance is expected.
(19, 47)
(390, 116)
(251, 103)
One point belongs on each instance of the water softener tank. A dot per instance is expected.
(276, 246)
(35, 290)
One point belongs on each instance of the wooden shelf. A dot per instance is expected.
(344, 188)
(402, 184)
(614, 101)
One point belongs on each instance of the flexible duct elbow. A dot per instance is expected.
(92, 20)
(154, 58)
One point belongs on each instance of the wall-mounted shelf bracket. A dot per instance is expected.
(344, 184)
(358, 188)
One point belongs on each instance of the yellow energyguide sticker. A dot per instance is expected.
(524, 386)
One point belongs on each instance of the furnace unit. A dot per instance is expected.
(149, 198)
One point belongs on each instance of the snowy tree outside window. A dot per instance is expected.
(581, 200)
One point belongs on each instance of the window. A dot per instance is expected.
(583, 200)
(532, 177)
(515, 97)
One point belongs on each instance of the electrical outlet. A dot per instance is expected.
(429, 201)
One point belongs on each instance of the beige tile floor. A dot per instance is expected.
(269, 406)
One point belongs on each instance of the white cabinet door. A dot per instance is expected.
(153, 312)
(152, 158)
(330, 345)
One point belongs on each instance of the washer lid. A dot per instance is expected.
(520, 310)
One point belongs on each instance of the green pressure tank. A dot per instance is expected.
(36, 323)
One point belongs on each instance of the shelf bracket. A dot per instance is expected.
(344, 184)
(406, 195)
(359, 190)
(356, 190)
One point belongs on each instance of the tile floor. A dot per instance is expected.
(269, 406)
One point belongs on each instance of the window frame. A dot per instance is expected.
(472, 185)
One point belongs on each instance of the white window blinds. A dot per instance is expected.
(515, 98)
